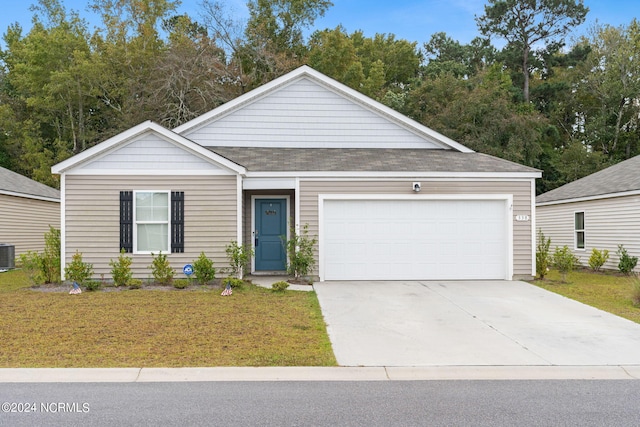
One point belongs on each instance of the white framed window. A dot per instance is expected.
(152, 219)
(578, 228)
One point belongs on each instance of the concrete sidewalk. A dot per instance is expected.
(432, 373)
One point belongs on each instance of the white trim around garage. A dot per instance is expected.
(506, 198)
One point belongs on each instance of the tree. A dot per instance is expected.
(449, 56)
(526, 23)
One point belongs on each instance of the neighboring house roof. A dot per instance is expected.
(615, 180)
(14, 184)
(366, 160)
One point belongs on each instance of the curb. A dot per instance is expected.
(430, 373)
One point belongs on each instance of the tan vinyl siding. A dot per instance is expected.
(93, 218)
(608, 223)
(521, 191)
(24, 222)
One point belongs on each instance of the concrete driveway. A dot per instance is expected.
(477, 323)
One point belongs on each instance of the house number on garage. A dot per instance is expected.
(522, 217)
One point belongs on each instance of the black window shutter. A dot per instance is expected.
(126, 221)
(177, 221)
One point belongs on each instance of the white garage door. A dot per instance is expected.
(414, 239)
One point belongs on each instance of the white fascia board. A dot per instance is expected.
(268, 183)
(589, 198)
(112, 143)
(29, 196)
(331, 84)
(150, 172)
(502, 175)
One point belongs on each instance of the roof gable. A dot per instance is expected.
(306, 109)
(147, 149)
(14, 184)
(613, 181)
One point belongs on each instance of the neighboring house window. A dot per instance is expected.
(579, 229)
(152, 221)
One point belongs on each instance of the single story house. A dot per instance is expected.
(386, 197)
(600, 211)
(27, 209)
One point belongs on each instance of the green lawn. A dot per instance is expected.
(159, 328)
(607, 291)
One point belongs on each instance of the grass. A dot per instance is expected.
(146, 328)
(608, 291)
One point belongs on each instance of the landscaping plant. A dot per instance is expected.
(598, 258)
(77, 270)
(565, 261)
(51, 256)
(161, 269)
(203, 269)
(543, 255)
(627, 262)
(280, 286)
(238, 256)
(121, 270)
(300, 252)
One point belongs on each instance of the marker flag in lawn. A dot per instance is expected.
(76, 289)
(227, 291)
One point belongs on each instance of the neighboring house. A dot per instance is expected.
(307, 149)
(599, 211)
(27, 209)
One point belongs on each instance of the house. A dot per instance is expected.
(27, 209)
(600, 211)
(386, 197)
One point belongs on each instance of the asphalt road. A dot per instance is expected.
(285, 403)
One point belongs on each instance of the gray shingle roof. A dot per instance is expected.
(365, 160)
(15, 183)
(619, 178)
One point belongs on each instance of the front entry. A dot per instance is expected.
(269, 229)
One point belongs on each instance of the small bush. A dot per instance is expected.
(543, 256)
(565, 261)
(31, 263)
(627, 262)
(635, 290)
(234, 282)
(51, 256)
(280, 286)
(134, 284)
(181, 283)
(77, 270)
(203, 269)
(239, 257)
(300, 251)
(598, 259)
(121, 269)
(161, 269)
(92, 285)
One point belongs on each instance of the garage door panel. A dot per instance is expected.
(414, 239)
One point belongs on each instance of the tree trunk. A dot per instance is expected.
(525, 72)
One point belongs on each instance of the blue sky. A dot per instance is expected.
(414, 20)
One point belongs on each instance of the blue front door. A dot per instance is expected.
(270, 228)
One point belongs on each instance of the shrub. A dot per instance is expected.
(134, 284)
(31, 263)
(598, 258)
(543, 255)
(50, 258)
(239, 257)
(234, 282)
(635, 290)
(77, 270)
(121, 269)
(627, 262)
(565, 261)
(93, 285)
(300, 252)
(203, 269)
(280, 286)
(161, 269)
(181, 283)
